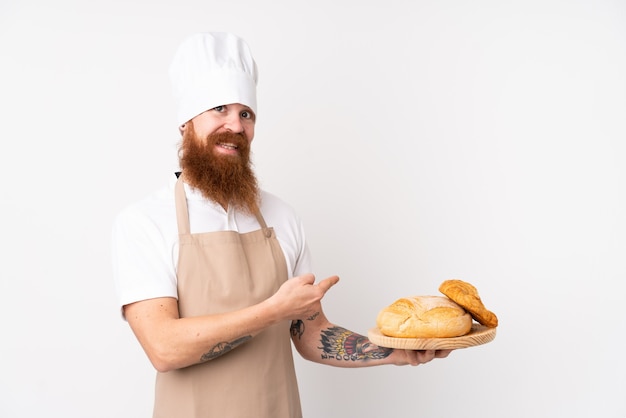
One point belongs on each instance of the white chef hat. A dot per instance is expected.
(212, 69)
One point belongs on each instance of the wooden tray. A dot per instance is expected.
(479, 334)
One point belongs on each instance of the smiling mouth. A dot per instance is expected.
(228, 146)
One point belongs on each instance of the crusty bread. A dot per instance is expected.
(466, 295)
(424, 317)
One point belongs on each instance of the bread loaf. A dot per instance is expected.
(424, 317)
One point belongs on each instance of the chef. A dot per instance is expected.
(213, 274)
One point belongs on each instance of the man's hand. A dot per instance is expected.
(300, 297)
(417, 357)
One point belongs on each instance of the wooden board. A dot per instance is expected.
(479, 334)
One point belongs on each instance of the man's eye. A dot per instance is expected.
(218, 108)
(246, 115)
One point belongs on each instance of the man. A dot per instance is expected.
(213, 274)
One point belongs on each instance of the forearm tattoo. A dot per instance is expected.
(341, 344)
(312, 317)
(297, 326)
(224, 347)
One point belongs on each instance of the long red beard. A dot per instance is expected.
(225, 179)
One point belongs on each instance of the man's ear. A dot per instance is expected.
(181, 128)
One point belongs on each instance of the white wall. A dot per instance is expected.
(419, 140)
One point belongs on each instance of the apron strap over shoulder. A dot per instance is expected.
(182, 215)
(266, 231)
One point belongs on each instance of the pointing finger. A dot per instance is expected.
(328, 283)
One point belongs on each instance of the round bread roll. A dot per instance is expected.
(424, 317)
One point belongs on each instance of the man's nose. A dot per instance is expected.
(233, 123)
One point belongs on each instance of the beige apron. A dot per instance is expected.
(221, 272)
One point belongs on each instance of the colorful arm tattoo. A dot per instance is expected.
(341, 344)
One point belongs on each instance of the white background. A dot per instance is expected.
(419, 141)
